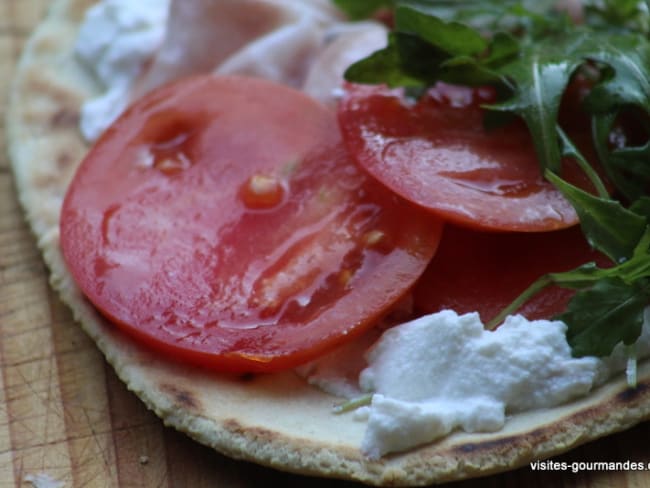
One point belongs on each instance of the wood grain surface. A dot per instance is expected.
(66, 418)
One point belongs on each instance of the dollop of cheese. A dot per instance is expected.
(115, 41)
(444, 372)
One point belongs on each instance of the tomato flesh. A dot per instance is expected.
(486, 271)
(220, 221)
(437, 154)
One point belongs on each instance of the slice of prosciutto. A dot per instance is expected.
(301, 43)
(305, 44)
(345, 44)
(273, 39)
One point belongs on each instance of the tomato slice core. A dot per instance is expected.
(437, 154)
(486, 271)
(220, 221)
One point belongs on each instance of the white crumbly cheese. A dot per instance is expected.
(115, 40)
(444, 372)
(396, 425)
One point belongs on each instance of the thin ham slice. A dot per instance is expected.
(267, 38)
(306, 44)
(346, 43)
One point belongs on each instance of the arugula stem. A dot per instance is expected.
(593, 177)
(572, 151)
(353, 404)
(635, 273)
(527, 294)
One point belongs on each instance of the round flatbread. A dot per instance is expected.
(275, 420)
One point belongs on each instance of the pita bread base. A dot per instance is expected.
(274, 420)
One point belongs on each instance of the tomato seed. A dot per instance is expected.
(262, 191)
(374, 237)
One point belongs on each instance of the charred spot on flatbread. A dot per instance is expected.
(52, 103)
(232, 425)
(492, 445)
(630, 395)
(65, 119)
(183, 398)
(65, 161)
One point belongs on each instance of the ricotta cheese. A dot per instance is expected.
(115, 40)
(444, 372)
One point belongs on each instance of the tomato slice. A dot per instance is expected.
(221, 221)
(437, 154)
(486, 271)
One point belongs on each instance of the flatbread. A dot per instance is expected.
(274, 420)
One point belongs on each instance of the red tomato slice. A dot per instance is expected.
(485, 272)
(220, 221)
(437, 154)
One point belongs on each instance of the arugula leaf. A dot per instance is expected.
(638, 267)
(539, 79)
(484, 69)
(611, 311)
(631, 165)
(630, 187)
(453, 38)
(361, 9)
(390, 65)
(635, 269)
(536, 16)
(608, 226)
(427, 50)
(633, 160)
(627, 77)
(604, 315)
(543, 71)
(619, 15)
(642, 207)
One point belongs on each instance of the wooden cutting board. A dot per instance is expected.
(67, 419)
